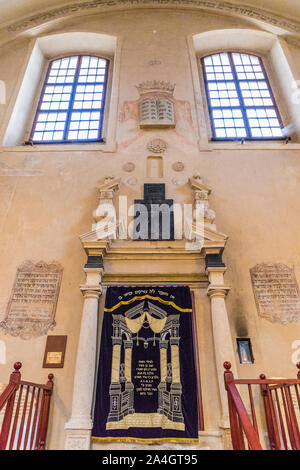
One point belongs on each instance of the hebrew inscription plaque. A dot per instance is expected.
(276, 292)
(32, 305)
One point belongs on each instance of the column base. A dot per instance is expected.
(227, 443)
(224, 422)
(78, 439)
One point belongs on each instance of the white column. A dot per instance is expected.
(223, 344)
(78, 428)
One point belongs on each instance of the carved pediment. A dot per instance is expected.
(214, 236)
(200, 234)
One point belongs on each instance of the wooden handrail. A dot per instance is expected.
(281, 420)
(280, 416)
(274, 382)
(238, 415)
(32, 384)
(25, 428)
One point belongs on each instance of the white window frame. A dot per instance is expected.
(281, 73)
(19, 117)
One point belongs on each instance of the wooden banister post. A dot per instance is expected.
(228, 379)
(297, 387)
(9, 396)
(44, 415)
(228, 375)
(235, 429)
(294, 427)
(272, 426)
(13, 384)
(15, 376)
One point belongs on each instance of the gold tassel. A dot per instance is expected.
(175, 440)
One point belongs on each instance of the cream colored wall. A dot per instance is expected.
(43, 211)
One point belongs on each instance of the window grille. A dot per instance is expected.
(240, 99)
(72, 101)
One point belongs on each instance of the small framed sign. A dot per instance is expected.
(55, 352)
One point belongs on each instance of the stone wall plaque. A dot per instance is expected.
(276, 292)
(32, 305)
(157, 113)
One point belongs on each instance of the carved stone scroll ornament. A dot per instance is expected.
(32, 306)
(203, 217)
(105, 215)
(201, 201)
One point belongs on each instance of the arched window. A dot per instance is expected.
(240, 100)
(72, 101)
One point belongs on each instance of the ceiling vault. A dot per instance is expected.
(25, 23)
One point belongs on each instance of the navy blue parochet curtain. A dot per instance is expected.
(146, 388)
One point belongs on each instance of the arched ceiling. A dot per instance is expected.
(17, 16)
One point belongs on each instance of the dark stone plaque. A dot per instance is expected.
(153, 215)
(154, 192)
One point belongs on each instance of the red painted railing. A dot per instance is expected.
(279, 414)
(26, 413)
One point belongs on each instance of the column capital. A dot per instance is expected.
(217, 290)
(93, 270)
(174, 341)
(116, 340)
(216, 269)
(90, 291)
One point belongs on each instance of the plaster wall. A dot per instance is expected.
(48, 196)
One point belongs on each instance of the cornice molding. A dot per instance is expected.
(198, 279)
(214, 242)
(12, 29)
